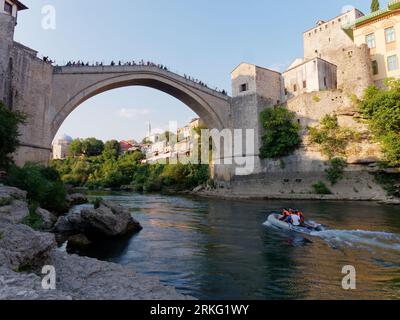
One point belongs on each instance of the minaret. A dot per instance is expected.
(8, 19)
(148, 129)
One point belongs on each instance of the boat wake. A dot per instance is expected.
(357, 238)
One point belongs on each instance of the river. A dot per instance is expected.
(216, 249)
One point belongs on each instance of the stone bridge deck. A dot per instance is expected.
(139, 69)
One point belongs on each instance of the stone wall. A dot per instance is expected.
(328, 35)
(354, 68)
(309, 76)
(31, 91)
(7, 24)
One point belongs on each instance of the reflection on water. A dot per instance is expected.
(216, 249)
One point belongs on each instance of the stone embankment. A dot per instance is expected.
(24, 252)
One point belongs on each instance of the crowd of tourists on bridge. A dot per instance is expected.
(138, 63)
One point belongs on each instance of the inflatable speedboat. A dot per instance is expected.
(307, 227)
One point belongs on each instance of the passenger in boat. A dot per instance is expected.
(285, 215)
(294, 219)
(301, 216)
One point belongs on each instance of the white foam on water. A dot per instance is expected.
(353, 238)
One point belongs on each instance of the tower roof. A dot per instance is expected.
(19, 4)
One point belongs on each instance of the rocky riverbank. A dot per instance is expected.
(24, 252)
(355, 186)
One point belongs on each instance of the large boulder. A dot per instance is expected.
(22, 286)
(22, 248)
(15, 193)
(13, 205)
(78, 241)
(47, 217)
(90, 279)
(76, 199)
(70, 223)
(108, 220)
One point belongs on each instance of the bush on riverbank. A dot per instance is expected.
(43, 185)
(390, 182)
(9, 135)
(381, 108)
(336, 170)
(118, 171)
(321, 188)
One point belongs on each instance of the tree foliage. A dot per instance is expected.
(321, 188)
(331, 138)
(43, 185)
(9, 135)
(381, 108)
(375, 5)
(281, 133)
(336, 170)
(112, 149)
(105, 171)
(86, 147)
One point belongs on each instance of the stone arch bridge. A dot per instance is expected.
(66, 88)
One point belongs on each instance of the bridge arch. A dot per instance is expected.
(74, 85)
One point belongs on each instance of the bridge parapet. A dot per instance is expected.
(139, 69)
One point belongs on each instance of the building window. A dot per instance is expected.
(7, 7)
(243, 87)
(295, 87)
(392, 63)
(304, 84)
(375, 69)
(325, 84)
(370, 41)
(390, 35)
(286, 92)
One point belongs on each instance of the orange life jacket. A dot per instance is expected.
(301, 216)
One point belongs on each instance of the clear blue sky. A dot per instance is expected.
(206, 39)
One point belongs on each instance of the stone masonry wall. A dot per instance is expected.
(31, 92)
(7, 24)
(354, 68)
(294, 176)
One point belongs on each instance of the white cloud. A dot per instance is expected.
(134, 112)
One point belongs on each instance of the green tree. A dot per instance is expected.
(9, 135)
(75, 149)
(381, 108)
(112, 149)
(281, 133)
(375, 5)
(92, 147)
(43, 185)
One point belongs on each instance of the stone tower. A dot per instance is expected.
(8, 19)
(253, 90)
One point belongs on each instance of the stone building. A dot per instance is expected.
(380, 31)
(8, 19)
(60, 147)
(327, 37)
(308, 76)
